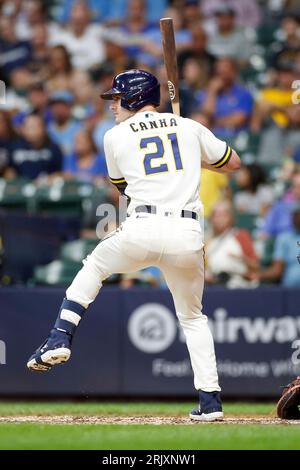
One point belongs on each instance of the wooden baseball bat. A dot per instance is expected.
(169, 49)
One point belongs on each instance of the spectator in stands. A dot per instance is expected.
(274, 102)
(62, 74)
(155, 10)
(198, 51)
(225, 102)
(103, 78)
(99, 123)
(231, 258)
(288, 44)
(82, 39)
(227, 40)
(136, 34)
(140, 37)
(7, 136)
(148, 277)
(60, 69)
(34, 154)
(214, 188)
(63, 128)
(20, 81)
(112, 12)
(84, 96)
(151, 50)
(253, 196)
(99, 9)
(278, 116)
(38, 102)
(285, 267)
(85, 164)
(14, 53)
(279, 217)
(31, 14)
(187, 96)
(247, 11)
(40, 51)
(11, 7)
(297, 62)
(116, 61)
(192, 14)
(192, 76)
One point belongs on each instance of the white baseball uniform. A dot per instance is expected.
(159, 156)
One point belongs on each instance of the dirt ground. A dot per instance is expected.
(157, 420)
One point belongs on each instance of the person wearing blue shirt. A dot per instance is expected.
(14, 53)
(104, 10)
(279, 217)
(285, 266)
(38, 102)
(100, 130)
(99, 9)
(35, 154)
(85, 164)
(151, 277)
(226, 103)
(63, 128)
(153, 35)
(142, 38)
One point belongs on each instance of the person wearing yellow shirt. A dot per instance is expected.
(214, 187)
(274, 101)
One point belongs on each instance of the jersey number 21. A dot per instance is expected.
(160, 151)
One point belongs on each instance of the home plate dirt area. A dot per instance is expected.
(156, 420)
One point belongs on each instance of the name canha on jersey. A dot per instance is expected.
(159, 156)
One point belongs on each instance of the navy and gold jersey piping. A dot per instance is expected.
(117, 180)
(120, 183)
(225, 159)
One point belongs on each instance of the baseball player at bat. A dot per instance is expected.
(154, 159)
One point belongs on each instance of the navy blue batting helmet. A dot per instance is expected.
(137, 88)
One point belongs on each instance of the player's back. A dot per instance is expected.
(159, 156)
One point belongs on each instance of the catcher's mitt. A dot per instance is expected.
(289, 403)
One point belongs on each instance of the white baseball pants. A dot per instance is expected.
(175, 245)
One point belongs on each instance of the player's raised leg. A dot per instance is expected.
(186, 285)
(107, 258)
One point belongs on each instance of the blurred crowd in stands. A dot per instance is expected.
(239, 62)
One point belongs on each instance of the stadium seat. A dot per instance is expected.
(265, 34)
(272, 171)
(245, 221)
(77, 250)
(62, 197)
(57, 273)
(14, 193)
(68, 198)
(247, 143)
(267, 254)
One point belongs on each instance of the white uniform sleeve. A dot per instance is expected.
(213, 150)
(114, 173)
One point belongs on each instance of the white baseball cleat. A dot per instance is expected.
(196, 415)
(49, 359)
(210, 407)
(55, 350)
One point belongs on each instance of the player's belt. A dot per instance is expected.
(153, 210)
